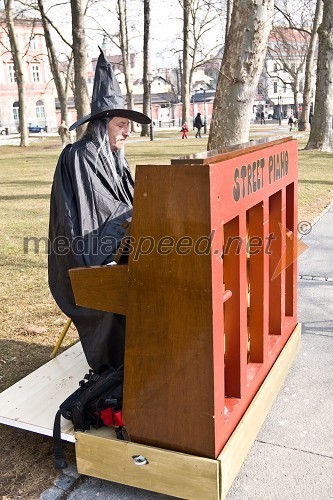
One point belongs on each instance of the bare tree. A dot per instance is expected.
(186, 61)
(19, 71)
(321, 130)
(198, 19)
(228, 18)
(61, 86)
(82, 103)
(309, 73)
(202, 20)
(125, 52)
(146, 64)
(240, 70)
(303, 24)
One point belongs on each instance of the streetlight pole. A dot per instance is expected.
(279, 101)
(151, 127)
(205, 121)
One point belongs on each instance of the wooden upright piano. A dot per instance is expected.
(209, 293)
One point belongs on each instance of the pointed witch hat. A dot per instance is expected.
(107, 99)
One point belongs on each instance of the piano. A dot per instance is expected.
(208, 289)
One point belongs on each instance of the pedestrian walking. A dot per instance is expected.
(184, 130)
(291, 122)
(198, 125)
(263, 118)
(63, 131)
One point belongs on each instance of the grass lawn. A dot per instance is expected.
(30, 320)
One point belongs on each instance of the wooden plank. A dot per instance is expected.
(185, 476)
(258, 319)
(240, 442)
(108, 283)
(169, 320)
(217, 155)
(32, 403)
(275, 279)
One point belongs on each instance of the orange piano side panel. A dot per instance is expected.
(253, 209)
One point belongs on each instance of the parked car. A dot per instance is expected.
(33, 128)
(2, 130)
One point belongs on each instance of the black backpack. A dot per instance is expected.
(85, 407)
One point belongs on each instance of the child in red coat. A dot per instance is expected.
(184, 131)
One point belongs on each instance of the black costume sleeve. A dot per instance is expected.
(89, 213)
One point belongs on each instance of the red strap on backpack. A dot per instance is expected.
(110, 417)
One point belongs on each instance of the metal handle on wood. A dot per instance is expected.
(140, 460)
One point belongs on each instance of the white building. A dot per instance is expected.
(282, 81)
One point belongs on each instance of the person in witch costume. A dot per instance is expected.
(91, 198)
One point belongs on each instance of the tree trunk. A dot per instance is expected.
(240, 70)
(146, 65)
(321, 130)
(125, 51)
(308, 82)
(61, 88)
(19, 72)
(228, 20)
(186, 61)
(294, 87)
(82, 103)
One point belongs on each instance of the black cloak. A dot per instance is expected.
(88, 207)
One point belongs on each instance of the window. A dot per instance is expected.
(11, 73)
(284, 87)
(16, 114)
(275, 67)
(300, 86)
(275, 88)
(33, 43)
(40, 109)
(35, 73)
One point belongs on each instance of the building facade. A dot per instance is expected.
(40, 89)
(280, 89)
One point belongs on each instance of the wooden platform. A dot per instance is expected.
(32, 403)
(181, 475)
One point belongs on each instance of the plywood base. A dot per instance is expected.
(167, 472)
(100, 455)
(32, 402)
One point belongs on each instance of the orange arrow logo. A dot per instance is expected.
(292, 248)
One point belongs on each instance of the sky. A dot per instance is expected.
(166, 27)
